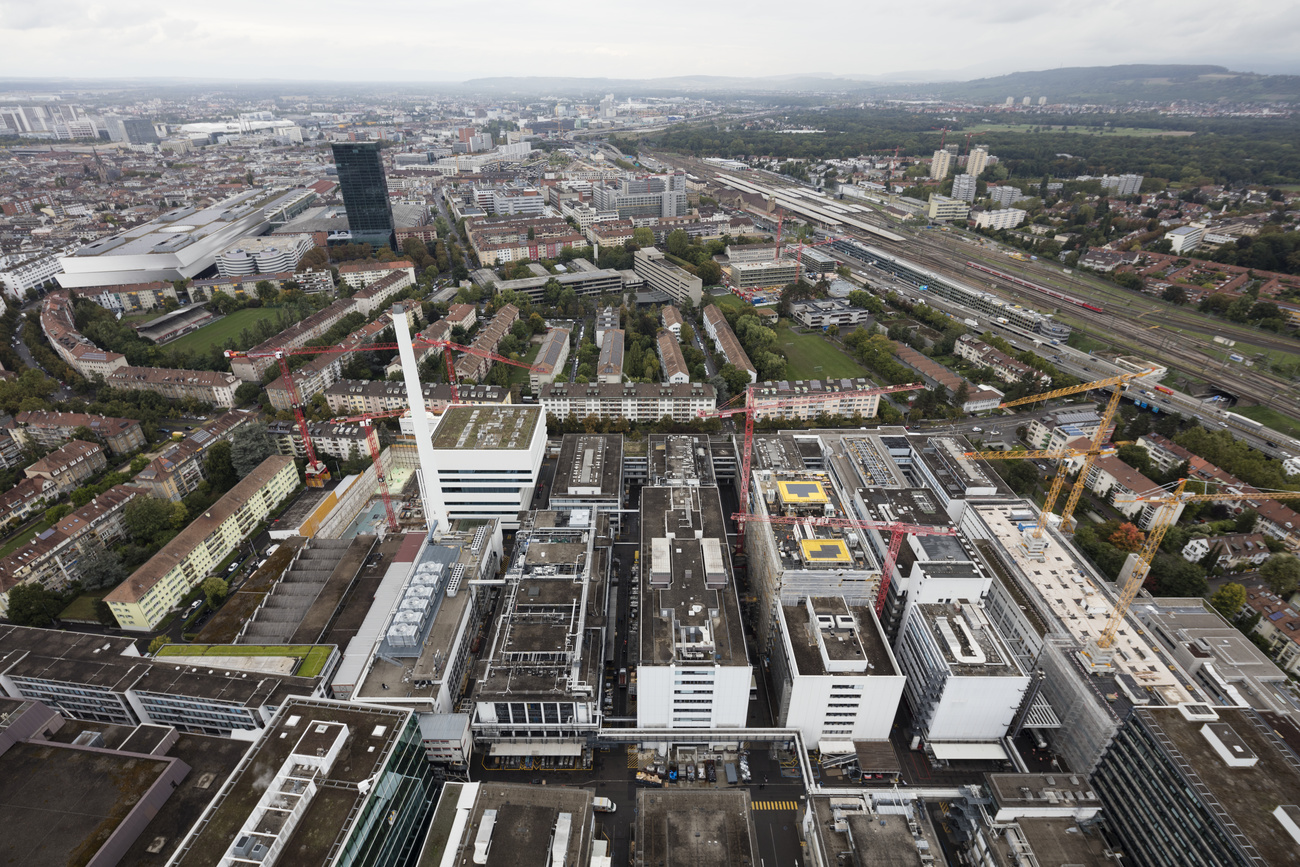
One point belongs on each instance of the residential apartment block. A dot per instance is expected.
(371, 397)
(143, 600)
(609, 367)
(70, 466)
(46, 429)
(824, 312)
(634, 401)
(361, 274)
(60, 327)
(52, 559)
(671, 361)
(864, 405)
(205, 386)
(717, 327)
(180, 469)
(550, 358)
(1006, 368)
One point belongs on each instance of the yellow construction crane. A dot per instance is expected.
(1062, 454)
(1036, 544)
(1168, 503)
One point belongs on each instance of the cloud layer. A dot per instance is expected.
(435, 40)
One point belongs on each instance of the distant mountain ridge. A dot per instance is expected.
(1104, 84)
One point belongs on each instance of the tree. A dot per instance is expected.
(678, 242)
(643, 236)
(159, 641)
(1136, 457)
(219, 467)
(215, 589)
(31, 604)
(101, 570)
(1282, 574)
(1127, 537)
(249, 447)
(152, 521)
(1175, 294)
(1020, 476)
(1174, 576)
(1245, 522)
(247, 393)
(266, 291)
(1228, 600)
(736, 379)
(709, 272)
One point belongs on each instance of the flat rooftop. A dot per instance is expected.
(680, 457)
(1075, 598)
(694, 827)
(486, 428)
(589, 465)
(777, 452)
(526, 821)
(960, 476)
(372, 734)
(708, 614)
(877, 840)
(1037, 790)
(862, 643)
(1247, 796)
(177, 228)
(808, 545)
(967, 641)
(61, 803)
(1059, 841)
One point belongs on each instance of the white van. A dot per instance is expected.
(603, 805)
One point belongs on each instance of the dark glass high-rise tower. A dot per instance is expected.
(365, 192)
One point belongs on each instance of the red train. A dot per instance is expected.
(1163, 390)
(1011, 278)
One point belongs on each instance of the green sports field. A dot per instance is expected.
(227, 327)
(811, 356)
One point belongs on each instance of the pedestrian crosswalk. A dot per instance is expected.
(774, 805)
(633, 757)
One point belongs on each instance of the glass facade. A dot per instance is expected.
(1151, 810)
(365, 192)
(392, 824)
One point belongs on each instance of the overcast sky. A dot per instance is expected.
(434, 40)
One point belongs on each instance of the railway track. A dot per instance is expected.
(1244, 382)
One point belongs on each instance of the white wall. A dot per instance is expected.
(811, 697)
(977, 708)
(657, 686)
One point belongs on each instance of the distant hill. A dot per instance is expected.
(1120, 84)
(1094, 84)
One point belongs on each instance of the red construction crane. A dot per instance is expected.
(944, 140)
(372, 443)
(780, 233)
(317, 473)
(897, 532)
(752, 406)
(969, 136)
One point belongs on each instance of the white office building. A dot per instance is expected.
(836, 678)
(488, 460)
(963, 684)
(176, 246)
(269, 254)
(693, 670)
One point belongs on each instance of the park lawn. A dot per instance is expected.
(519, 376)
(83, 607)
(811, 356)
(226, 328)
(1270, 417)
